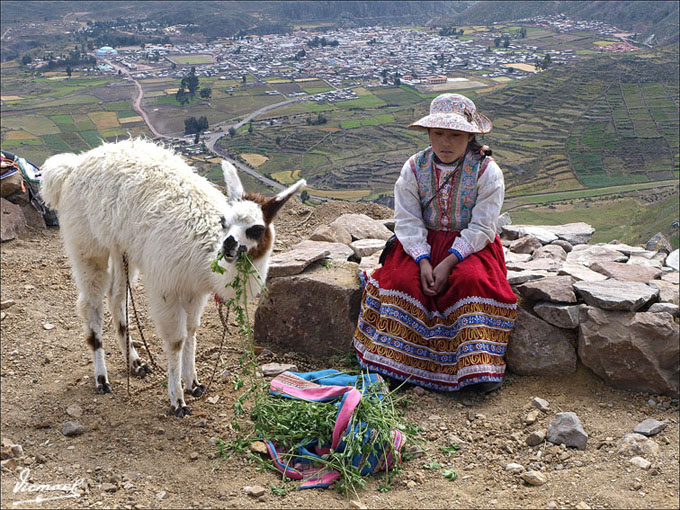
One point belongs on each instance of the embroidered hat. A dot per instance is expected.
(454, 111)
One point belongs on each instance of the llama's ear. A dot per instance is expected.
(272, 206)
(232, 182)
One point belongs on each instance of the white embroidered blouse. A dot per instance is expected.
(411, 227)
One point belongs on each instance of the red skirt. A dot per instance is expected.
(442, 342)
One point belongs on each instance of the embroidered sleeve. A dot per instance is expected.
(409, 226)
(482, 227)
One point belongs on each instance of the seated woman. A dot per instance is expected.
(440, 310)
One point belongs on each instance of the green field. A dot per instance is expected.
(192, 59)
(56, 115)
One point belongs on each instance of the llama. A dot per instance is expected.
(139, 199)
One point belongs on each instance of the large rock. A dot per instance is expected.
(512, 257)
(626, 272)
(553, 288)
(668, 292)
(573, 233)
(633, 351)
(367, 247)
(591, 254)
(562, 316)
(321, 320)
(525, 244)
(331, 234)
(673, 260)
(338, 251)
(550, 251)
(12, 189)
(517, 231)
(566, 245)
(34, 218)
(640, 260)
(535, 265)
(658, 242)
(566, 428)
(579, 272)
(616, 295)
(361, 226)
(627, 249)
(537, 348)
(12, 220)
(633, 443)
(650, 427)
(518, 277)
(296, 260)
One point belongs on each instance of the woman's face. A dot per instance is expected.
(449, 144)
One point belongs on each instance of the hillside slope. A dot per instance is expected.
(645, 17)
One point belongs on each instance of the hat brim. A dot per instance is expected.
(480, 124)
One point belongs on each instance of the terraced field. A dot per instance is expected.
(54, 114)
(609, 121)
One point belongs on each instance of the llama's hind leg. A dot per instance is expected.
(117, 294)
(170, 320)
(91, 277)
(194, 309)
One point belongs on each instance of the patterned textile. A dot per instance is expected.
(331, 386)
(454, 111)
(444, 342)
(451, 208)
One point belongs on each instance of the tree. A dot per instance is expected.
(304, 196)
(190, 82)
(181, 96)
(206, 92)
(232, 131)
(250, 128)
(506, 43)
(197, 138)
(69, 71)
(243, 78)
(523, 32)
(461, 31)
(278, 140)
(397, 81)
(26, 59)
(497, 42)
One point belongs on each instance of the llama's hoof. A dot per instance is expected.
(199, 390)
(103, 385)
(181, 411)
(140, 369)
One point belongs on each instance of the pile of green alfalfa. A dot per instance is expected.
(289, 422)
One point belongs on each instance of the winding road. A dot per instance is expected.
(218, 131)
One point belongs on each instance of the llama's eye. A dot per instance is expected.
(255, 232)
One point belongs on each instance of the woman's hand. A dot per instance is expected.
(441, 273)
(426, 278)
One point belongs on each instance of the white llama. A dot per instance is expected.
(137, 198)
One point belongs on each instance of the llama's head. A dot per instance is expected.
(248, 227)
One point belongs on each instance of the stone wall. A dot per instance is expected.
(612, 306)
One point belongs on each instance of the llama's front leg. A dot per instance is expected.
(117, 294)
(170, 320)
(91, 277)
(194, 309)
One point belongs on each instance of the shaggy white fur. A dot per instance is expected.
(137, 198)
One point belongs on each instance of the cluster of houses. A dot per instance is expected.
(367, 54)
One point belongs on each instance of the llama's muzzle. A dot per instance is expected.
(232, 250)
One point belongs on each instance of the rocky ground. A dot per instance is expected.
(129, 453)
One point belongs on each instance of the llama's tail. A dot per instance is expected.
(54, 171)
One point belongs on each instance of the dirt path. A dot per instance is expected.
(133, 455)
